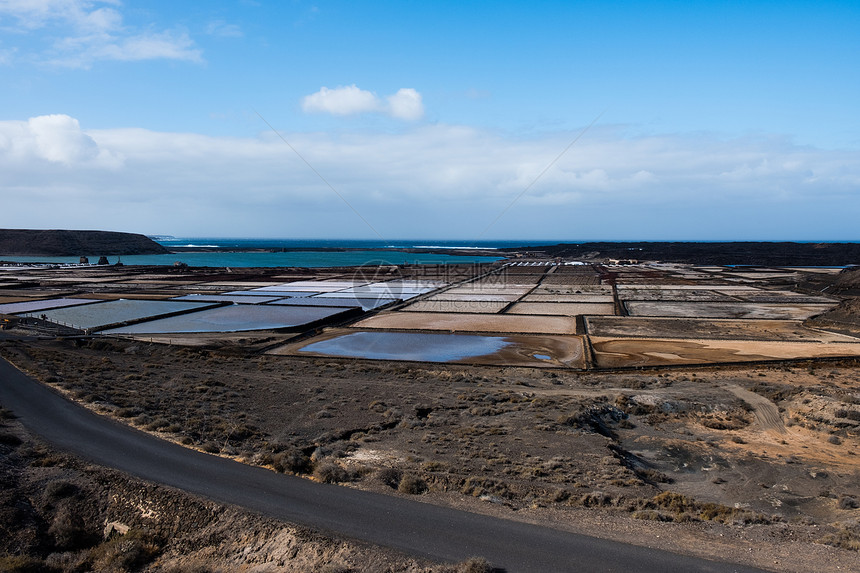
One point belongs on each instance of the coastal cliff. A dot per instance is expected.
(60, 242)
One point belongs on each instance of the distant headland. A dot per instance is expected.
(63, 242)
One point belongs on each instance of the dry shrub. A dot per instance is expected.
(59, 489)
(23, 564)
(685, 508)
(292, 460)
(412, 485)
(69, 530)
(475, 565)
(331, 473)
(126, 552)
(390, 477)
(676, 502)
(847, 537)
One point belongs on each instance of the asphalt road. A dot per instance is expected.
(416, 528)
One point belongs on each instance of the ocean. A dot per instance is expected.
(298, 253)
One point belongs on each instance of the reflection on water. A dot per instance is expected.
(409, 346)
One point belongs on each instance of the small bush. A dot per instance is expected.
(293, 460)
(60, 489)
(847, 537)
(676, 502)
(127, 412)
(69, 531)
(127, 552)
(475, 565)
(390, 477)
(331, 473)
(22, 564)
(413, 485)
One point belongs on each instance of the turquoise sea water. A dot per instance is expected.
(290, 257)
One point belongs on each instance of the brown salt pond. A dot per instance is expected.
(561, 308)
(622, 353)
(746, 310)
(461, 322)
(718, 329)
(464, 306)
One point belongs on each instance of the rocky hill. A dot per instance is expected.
(57, 242)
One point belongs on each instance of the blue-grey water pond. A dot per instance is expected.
(409, 346)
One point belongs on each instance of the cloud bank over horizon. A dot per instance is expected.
(430, 181)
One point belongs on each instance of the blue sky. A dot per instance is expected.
(714, 120)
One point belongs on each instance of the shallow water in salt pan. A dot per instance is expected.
(409, 346)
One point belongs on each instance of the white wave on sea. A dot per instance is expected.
(455, 248)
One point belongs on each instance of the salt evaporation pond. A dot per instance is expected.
(271, 293)
(234, 318)
(408, 346)
(90, 316)
(238, 299)
(363, 303)
(36, 305)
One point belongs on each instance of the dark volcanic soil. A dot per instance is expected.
(751, 465)
(60, 514)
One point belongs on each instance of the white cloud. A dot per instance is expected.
(351, 100)
(153, 46)
(343, 100)
(222, 29)
(59, 138)
(430, 181)
(34, 14)
(406, 104)
(53, 139)
(78, 33)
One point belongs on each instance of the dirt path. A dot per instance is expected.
(766, 412)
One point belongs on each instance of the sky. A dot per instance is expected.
(574, 120)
